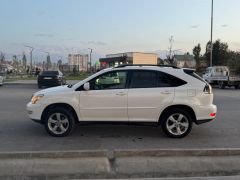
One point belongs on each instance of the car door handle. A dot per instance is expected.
(166, 92)
(120, 94)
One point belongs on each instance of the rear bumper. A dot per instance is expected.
(49, 82)
(205, 113)
(198, 122)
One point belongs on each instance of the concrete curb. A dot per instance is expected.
(120, 164)
(177, 163)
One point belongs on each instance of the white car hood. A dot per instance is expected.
(54, 90)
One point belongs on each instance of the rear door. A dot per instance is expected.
(149, 92)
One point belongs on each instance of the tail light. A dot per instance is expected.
(207, 89)
(213, 114)
(55, 77)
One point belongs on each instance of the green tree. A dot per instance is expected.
(220, 53)
(15, 61)
(234, 62)
(197, 55)
(2, 58)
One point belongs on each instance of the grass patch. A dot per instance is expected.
(71, 77)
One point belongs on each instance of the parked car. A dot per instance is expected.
(51, 78)
(1, 80)
(222, 76)
(171, 97)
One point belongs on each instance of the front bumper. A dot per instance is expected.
(34, 111)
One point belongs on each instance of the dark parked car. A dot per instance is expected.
(51, 78)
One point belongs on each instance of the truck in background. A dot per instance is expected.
(222, 76)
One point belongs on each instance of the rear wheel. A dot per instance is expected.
(176, 123)
(221, 85)
(59, 122)
(237, 86)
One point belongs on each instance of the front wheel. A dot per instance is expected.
(59, 122)
(176, 123)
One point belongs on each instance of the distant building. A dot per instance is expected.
(78, 61)
(185, 61)
(112, 60)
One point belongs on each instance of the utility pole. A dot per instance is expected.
(31, 51)
(211, 52)
(91, 50)
(170, 55)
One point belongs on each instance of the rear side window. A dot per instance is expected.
(154, 79)
(193, 74)
(167, 80)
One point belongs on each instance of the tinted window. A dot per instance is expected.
(49, 73)
(111, 80)
(167, 80)
(151, 79)
(143, 79)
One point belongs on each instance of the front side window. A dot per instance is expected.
(110, 80)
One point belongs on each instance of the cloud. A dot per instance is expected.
(44, 35)
(41, 13)
(99, 43)
(224, 25)
(194, 26)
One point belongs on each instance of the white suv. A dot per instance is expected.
(171, 97)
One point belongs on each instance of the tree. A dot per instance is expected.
(15, 61)
(220, 53)
(49, 63)
(196, 53)
(24, 61)
(234, 62)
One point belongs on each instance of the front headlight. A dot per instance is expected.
(36, 98)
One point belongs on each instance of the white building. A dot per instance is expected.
(79, 61)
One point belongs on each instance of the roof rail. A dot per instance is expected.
(125, 65)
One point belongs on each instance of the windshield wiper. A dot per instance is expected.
(70, 85)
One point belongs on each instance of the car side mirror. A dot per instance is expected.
(86, 86)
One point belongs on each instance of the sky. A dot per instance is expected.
(113, 26)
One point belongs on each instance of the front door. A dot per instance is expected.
(107, 98)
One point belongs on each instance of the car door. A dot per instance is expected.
(149, 92)
(107, 98)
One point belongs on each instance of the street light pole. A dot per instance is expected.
(211, 52)
(31, 51)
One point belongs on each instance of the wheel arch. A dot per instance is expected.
(179, 106)
(64, 105)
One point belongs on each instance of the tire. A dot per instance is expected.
(237, 86)
(221, 85)
(174, 127)
(59, 122)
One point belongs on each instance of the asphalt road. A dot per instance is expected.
(19, 133)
